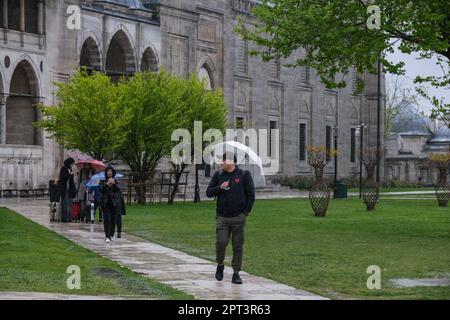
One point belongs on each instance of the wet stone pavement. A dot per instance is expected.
(174, 268)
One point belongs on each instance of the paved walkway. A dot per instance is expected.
(174, 268)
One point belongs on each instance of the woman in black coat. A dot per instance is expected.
(111, 203)
(67, 189)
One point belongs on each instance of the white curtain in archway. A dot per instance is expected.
(203, 74)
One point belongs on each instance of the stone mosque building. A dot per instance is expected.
(120, 37)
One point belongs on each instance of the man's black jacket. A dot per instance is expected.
(239, 198)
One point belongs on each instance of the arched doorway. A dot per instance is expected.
(90, 56)
(120, 57)
(205, 74)
(21, 109)
(149, 61)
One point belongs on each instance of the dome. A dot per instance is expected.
(442, 135)
(410, 121)
(440, 140)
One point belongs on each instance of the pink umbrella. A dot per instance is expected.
(94, 164)
(79, 156)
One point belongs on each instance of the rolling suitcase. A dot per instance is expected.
(55, 212)
(76, 211)
(54, 191)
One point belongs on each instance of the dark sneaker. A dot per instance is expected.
(236, 279)
(119, 235)
(219, 272)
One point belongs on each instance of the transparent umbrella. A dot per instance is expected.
(247, 158)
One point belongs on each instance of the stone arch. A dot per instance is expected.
(21, 110)
(206, 67)
(303, 109)
(355, 115)
(242, 100)
(120, 56)
(274, 104)
(330, 111)
(149, 61)
(90, 53)
(32, 69)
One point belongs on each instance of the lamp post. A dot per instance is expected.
(336, 135)
(197, 186)
(379, 121)
(360, 133)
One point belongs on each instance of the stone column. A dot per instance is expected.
(5, 14)
(40, 27)
(22, 16)
(3, 99)
(38, 132)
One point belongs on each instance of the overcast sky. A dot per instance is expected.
(415, 67)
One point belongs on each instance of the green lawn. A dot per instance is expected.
(399, 189)
(35, 259)
(328, 256)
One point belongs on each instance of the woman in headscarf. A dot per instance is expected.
(67, 189)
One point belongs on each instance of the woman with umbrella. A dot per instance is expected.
(94, 187)
(111, 202)
(85, 194)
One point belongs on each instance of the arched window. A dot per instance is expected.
(90, 55)
(149, 61)
(21, 109)
(120, 57)
(205, 75)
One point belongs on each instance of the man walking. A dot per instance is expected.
(235, 194)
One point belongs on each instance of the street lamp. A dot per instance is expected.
(379, 119)
(197, 186)
(360, 133)
(336, 135)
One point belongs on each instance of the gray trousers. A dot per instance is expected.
(233, 228)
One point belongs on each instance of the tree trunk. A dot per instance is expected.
(178, 174)
(139, 179)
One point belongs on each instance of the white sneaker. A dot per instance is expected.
(107, 240)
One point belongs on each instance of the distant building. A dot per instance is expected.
(414, 137)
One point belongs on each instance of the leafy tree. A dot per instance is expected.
(336, 37)
(198, 104)
(88, 115)
(153, 101)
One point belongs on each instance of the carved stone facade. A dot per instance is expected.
(121, 36)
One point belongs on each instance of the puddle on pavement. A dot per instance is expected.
(410, 283)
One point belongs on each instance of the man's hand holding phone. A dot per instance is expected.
(225, 185)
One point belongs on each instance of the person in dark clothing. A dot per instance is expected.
(235, 193)
(110, 203)
(67, 189)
